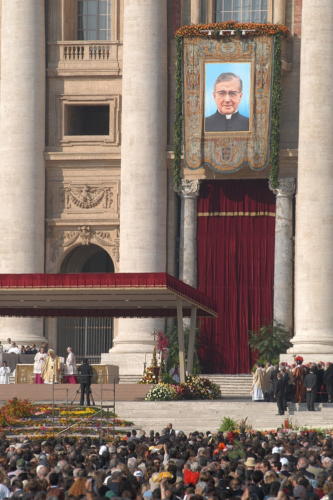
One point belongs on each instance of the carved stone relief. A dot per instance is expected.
(65, 199)
(61, 239)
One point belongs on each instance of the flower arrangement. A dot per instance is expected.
(21, 418)
(193, 388)
(162, 392)
(223, 29)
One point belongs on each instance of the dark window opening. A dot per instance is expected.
(87, 120)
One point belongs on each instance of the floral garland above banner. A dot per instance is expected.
(253, 52)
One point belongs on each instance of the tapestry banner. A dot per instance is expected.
(227, 102)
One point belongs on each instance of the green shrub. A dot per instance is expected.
(228, 424)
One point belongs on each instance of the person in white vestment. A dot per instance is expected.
(4, 373)
(38, 365)
(258, 384)
(70, 367)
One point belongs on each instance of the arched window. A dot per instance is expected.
(89, 337)
(254, 11)
(94, 19)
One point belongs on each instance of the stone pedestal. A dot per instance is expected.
(188, 232)
(22, 132)
(314, 200)
(143, 168)
(284, 253)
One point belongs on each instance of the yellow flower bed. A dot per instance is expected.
(87, 411)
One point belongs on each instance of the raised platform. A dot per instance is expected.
(67, 392)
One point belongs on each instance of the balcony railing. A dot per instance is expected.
(82, 57)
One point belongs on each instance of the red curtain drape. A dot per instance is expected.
(236, 226)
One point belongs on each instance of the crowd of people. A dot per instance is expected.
(294, 383)
(171, 466)
(11, 347)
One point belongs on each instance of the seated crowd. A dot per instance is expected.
(171, 466)
(11, 347)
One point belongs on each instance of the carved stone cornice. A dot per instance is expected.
(190, 188)
(286, 187)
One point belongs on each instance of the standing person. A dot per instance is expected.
(328, 381)
(4, 373)
(38, 365)
(269, 390)
(299, 373)
(310, 383)
(51, 370)
(258, 383)
(86, 373)
(7, 345)
(70, 367)
(280, 393)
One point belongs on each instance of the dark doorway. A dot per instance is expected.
(88, 337)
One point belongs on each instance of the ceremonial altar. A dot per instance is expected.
(102, 374)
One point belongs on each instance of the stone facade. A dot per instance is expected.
(114, 189)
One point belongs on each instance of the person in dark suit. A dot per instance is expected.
(310, 383)
(85, 376)
(227, 96)
(280, 393)
(328, 381)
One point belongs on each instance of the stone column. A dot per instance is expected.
(314, 200)
(188, 232)
(143, 168)
(22, 132)
(279, 12)
(195, 11)
(284, 252)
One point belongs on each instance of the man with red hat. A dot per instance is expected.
(299, 373)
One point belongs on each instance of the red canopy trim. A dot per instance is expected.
(102, 294)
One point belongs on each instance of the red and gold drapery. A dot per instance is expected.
(236, 225)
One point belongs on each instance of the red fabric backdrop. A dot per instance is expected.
(235, 268)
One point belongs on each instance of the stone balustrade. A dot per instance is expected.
(75, 57)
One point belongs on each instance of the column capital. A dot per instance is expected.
(286, 187)
(190, 188)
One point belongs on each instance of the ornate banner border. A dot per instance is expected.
(227, 152)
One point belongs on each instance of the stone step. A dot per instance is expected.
(230, 385)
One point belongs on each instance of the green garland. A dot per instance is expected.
(275, 114)
(178, 130)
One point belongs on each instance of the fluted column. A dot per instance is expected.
(284, 252)
(22, 140)
(188, 232)
(143, 166)
(314, 200)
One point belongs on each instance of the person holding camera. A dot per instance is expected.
(85, 377)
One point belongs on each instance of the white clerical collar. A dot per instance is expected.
(228, 117)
